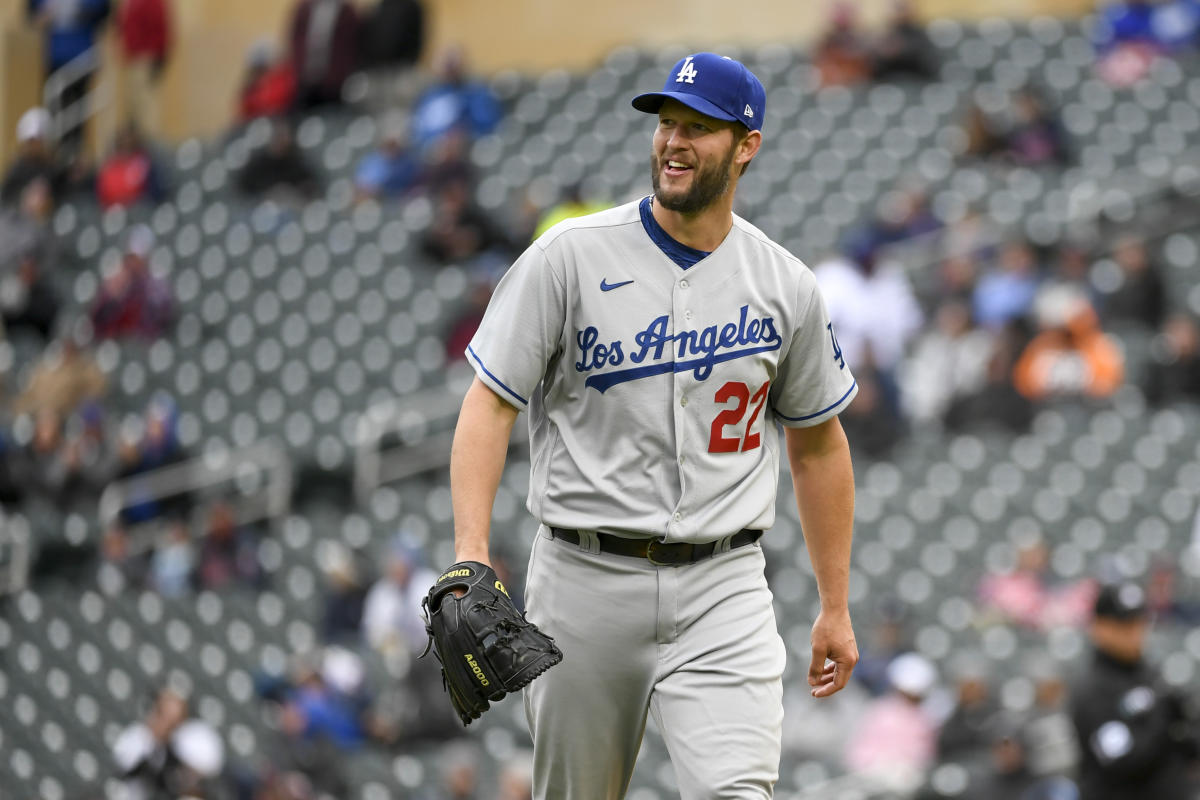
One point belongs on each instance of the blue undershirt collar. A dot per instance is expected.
(678, 252)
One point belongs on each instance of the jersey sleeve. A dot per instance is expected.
(814, 382)
(521, 328)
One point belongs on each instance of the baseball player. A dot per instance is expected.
(657, 346)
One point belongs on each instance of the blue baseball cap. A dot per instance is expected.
(714, 85)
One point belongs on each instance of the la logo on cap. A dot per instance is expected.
(687, 73)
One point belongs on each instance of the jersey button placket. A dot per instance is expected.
(683, 385)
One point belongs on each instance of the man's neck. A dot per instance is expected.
(703, 230)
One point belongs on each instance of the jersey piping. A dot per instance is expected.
(672, 248)
(499, 382)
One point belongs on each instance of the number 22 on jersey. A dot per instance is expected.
(719, 440)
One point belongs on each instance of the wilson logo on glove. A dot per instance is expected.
(486, 647)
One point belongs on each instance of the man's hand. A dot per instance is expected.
(833, 641)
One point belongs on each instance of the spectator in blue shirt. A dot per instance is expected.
(70, 27)
(1006, 293)
(454, 103)
(388, 172)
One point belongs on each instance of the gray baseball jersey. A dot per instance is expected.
(653, 391)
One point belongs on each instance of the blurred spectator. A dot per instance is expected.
(887, 639)
(572, 205)
(324, 50)
(449, 163)
(228, 553)
(129, 175)
(1006, 292)
(328, 703)
(40, 471)
(949, 362)
(1130, 35)
(70, 28)
(36, 157)
(1141, 294)
(68, 463)
(461, 329)
(966, 733)
(1047, 729)
(279, 171)
(393, 34)
(345, 597)
(454, 102)
(956, 278)
(872, 420)
(278, 785)
(390, 171)
(28, 300)
(998, 404)
(1035, 138)
(392, 620)
(1071, 357)
(119, 553)
(842, 55)
(458, 777)
(174, 561)
(151, 443)
(64, 378)
(1174, 371)
(984, 141)
(1030, 136)
(1009, 776)
(903, 50)
(516, 777)
(901, 214)
(168, 754)
(1138, 736)
(1167, 601)
(461, 231)
(1072, 264)
(896, 739)
(145, 33)
(269, 85)
(25, 228)
(854, 287)
(132, 301)
(1028, 594)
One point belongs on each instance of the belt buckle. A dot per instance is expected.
(656, 562)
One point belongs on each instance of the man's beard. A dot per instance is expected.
(707, 185)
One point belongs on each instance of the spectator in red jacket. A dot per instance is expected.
(324, 41)
(145, 35)
(132, 301)
(129, 175)
(269, 88)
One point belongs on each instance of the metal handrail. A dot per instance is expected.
(267, 456)
(14, 535)
(375, 464)
(73, 116)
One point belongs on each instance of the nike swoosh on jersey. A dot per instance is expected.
(605, 286)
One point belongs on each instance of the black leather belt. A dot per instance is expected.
(657, 552)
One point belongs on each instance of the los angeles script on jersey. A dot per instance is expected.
(695, 350)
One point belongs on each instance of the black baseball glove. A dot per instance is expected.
(487, 647)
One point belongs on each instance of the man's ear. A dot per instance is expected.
(748, 147)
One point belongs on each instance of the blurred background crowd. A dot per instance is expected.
(229, 364)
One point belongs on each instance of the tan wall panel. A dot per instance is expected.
(20, 79)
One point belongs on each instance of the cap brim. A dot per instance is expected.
(651, 102)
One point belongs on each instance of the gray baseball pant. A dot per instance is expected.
(697, 646)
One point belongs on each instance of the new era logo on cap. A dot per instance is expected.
(714, 85)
